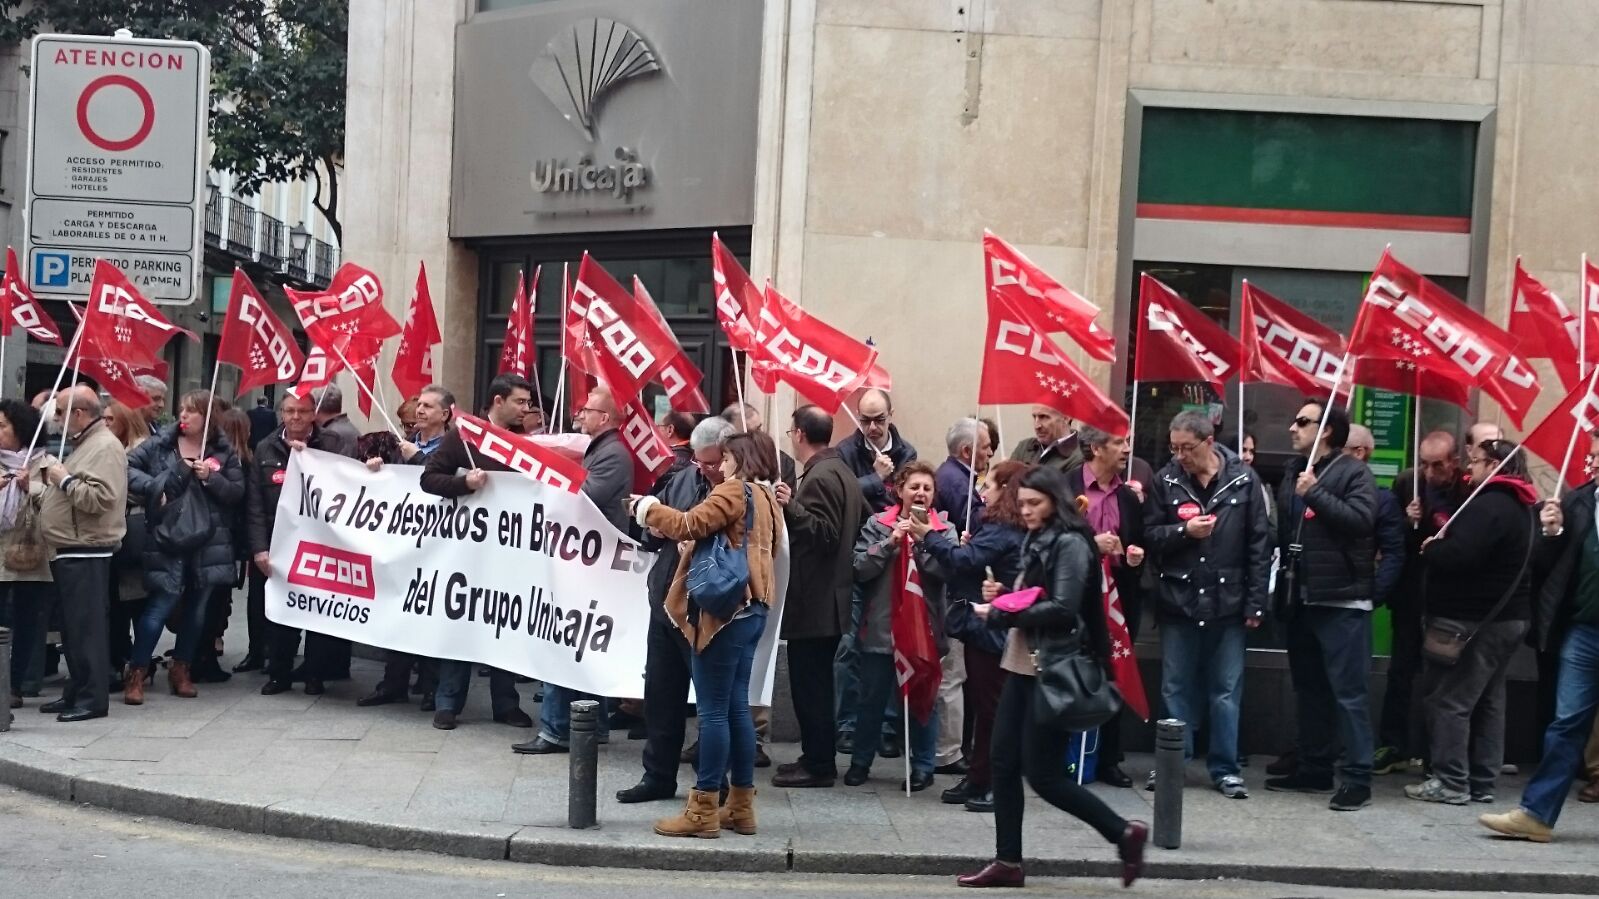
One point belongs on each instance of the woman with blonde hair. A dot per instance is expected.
(127, 424)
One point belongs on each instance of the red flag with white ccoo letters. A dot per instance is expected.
(1177, 342)
(1007, 270)
(1022, 365)
(255, 341)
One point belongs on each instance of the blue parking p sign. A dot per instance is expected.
(50, 269)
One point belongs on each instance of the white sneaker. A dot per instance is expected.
(1149, 782)
(1232, 786)
(1433, 790)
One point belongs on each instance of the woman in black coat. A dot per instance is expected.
(162, 472)
(1059, 556)
(1478, 576)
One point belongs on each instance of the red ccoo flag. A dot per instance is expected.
(915, 654)
(1282, 345)
(679, 377)
(1543, 325)
(516, 355)
(18, 307)
(821, 363)
(1177, 342)
(1407, 317)
(519, 452)
(351, 307)
(413, 362)
(738, 300)
(255, 341)
(120, 325)
(1555, 440)
(1123, 662)
(1009, 271)
(1021, 365)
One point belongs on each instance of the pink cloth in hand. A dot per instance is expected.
(1021, 599)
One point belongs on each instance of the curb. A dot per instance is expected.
(62, 779)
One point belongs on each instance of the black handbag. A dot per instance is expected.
(1444, 640)
(184, 522)
(1073, 692)
(131, 553)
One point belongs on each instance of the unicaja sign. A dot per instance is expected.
(577, 70)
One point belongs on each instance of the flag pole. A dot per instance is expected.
(362, 384)
(3, 342)
(1132, 428)
(1326, 408)
(999, 422)
(738, 385)
(1479, 487)
(1415, 468)
(1582, 324)
(971, 486)
(39, 428)
(77, 368)
(1565, 461)
(560, 379)
(205, 430)
(1240, 420)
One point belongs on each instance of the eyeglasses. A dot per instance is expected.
(1183, 449)
(1303, 422)
(874, 419)
(592, 409)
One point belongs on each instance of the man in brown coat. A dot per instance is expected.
(823, 515)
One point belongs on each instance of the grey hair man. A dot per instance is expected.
(744, 417)
(156, 389)
(341, 433)
(1209, 538)
(955, 486)
(83, 518)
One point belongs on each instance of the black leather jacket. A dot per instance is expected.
(1066, 565)
(1222, 577)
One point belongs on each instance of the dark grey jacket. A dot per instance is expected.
(157, 471)
(610, 477)
(823, 516)
(1222, 577)
(876, 561)
(859, 457)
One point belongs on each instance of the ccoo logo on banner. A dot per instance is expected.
(521, 575)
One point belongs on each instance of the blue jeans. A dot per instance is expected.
(157, 608)
(1329, 656)
(555, 715)
(722, 700)
(847, 677)
(879, 688)
(27, 610)
(1202, 683)
(1576, 698)
(455, 679)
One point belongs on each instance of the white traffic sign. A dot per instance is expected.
(116, 163)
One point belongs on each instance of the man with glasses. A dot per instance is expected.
(609, 481)
(510, 396)
(1208, 538)
(1329, 507)
(1444, 487)
(668, 658)
(875, 450)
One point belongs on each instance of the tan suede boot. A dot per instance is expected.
(739, 813)
(178, 679)
(133, 686)
(699, 818)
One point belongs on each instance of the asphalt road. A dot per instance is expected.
(63, 851)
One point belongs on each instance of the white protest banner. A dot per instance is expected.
(520, 575)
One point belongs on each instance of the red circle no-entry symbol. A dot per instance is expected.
(145, 125)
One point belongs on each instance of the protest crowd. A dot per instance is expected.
(968, 611)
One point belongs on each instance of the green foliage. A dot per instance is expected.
(277, 76)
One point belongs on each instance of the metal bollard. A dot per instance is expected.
(583, 780)
(1169, 782)
(5, 675)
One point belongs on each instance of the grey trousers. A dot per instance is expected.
(1465, 708)
(84, 587)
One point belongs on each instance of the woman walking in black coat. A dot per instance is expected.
(187, 555)
(1060, 558)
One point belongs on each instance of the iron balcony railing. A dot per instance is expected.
(249, 235)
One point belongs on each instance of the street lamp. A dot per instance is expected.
(299, 238)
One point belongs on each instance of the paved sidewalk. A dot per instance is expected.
(320, 768)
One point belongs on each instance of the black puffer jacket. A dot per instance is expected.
(1224, 576)
(1557, 567)
(1484, 555)
(859, 456)
(270, 469)
(1339, 560)
(156, 472)
(1066, 565)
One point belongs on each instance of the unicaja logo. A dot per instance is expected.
(577, 70)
